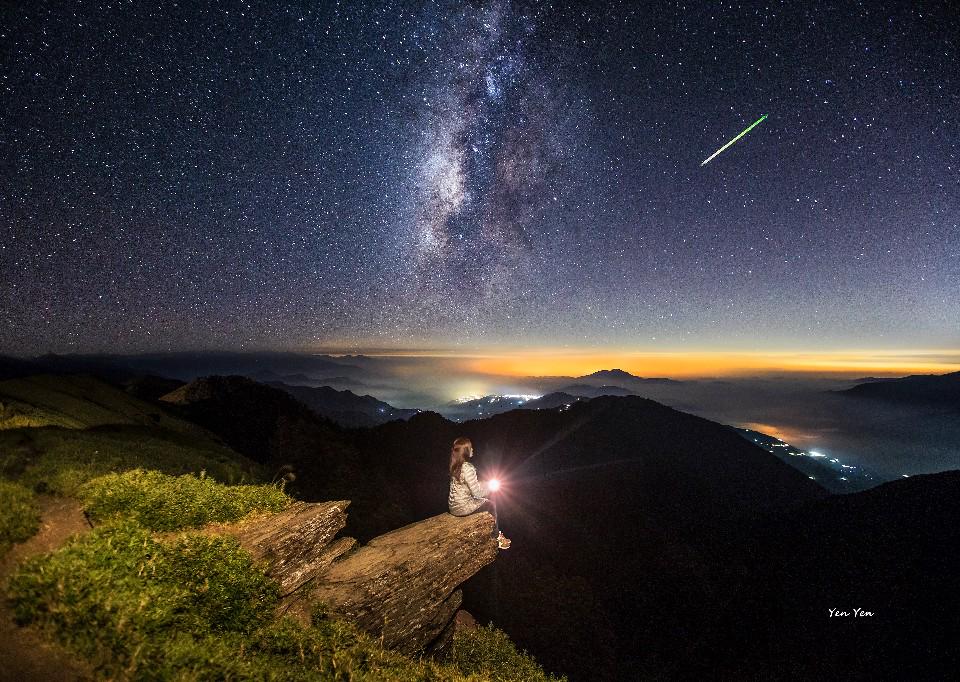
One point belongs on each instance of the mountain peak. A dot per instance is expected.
(617, 374)
(613, 374)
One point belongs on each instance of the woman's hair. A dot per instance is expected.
(458, 455)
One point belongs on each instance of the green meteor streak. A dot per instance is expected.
(752, 125)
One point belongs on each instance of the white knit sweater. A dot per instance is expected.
(467, 494)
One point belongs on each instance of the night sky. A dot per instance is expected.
(483, 175)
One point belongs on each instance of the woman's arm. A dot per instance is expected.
(477, 489)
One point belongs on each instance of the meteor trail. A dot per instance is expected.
(710, 158)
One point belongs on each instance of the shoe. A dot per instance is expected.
(503, 542)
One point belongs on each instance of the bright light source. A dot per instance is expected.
(494, 485)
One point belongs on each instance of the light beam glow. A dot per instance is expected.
(749, 128)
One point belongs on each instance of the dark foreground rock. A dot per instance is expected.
(298, 542)
(401, 587)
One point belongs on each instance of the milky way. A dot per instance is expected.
(477, 174)
(490, 147)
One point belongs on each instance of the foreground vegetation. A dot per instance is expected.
(19, 516)
(197, 607)
(163, 503)
(60, 460)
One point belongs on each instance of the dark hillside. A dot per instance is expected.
(79, 402)
(260, 421)
(275, 429)
(615, 506)
(57, 431)
(920, 390)
(524, 446)
(346, 408)
(893, 550)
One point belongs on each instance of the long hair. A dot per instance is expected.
(458, 455)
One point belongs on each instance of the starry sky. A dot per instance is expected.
(480, 175)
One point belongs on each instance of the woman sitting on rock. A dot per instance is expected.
(467, 494)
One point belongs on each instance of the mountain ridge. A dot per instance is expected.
(916, 389)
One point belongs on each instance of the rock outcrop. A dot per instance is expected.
(297, 543)
(401, 587)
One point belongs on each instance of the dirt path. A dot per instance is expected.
(25, 655)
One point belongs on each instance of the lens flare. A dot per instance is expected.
(494, 485)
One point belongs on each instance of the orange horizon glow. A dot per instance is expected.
(544, 362)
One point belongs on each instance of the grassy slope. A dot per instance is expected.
(194, 607)
(59, 460)
(138, 606)
(78, 402)
(19, 517)
(57, 432)
(197, 607)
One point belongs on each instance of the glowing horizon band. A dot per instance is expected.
(751, 127)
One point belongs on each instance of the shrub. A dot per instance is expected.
(488, 651)
(161, 502)
(19, 516)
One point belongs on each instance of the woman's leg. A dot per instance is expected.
(491, 506)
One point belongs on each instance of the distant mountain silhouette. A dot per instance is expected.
(274, 366)
(346, 407)
(11, 367)
(591, 391)
(620, 375)
(919, 390)
(481, 407)
(269, 376)
(102, 366)
(489, 405)
(329, 381)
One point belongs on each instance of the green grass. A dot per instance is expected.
(164, 503)
(60, 460)
(199, 608)
(78, 402)
(19, 516)
(490, 653)
(116, 595)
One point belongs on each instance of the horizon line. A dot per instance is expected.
(547, 361)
